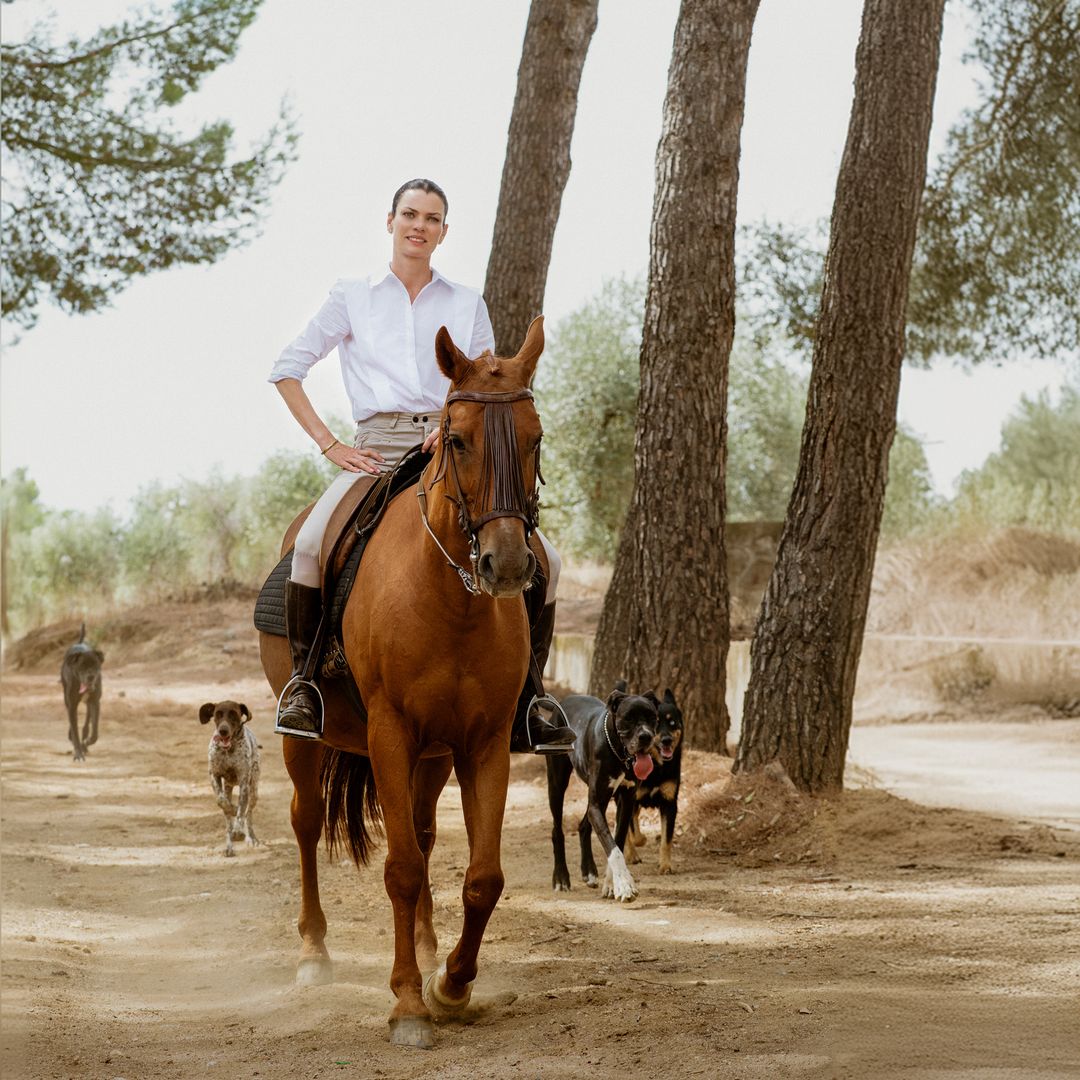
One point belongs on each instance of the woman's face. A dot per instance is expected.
(417, 225)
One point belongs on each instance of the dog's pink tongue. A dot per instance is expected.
(643, 765)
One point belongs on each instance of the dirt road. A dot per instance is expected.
(880, 939)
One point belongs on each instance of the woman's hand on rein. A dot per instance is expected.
(353, 460)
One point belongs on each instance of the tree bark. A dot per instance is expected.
(665, 617)
(537, 164)
(805, 651)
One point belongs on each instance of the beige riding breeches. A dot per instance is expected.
(392, 435)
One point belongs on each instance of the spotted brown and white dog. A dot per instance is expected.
(234, 762)
(611, 755)
(80, 675)
(660, 788)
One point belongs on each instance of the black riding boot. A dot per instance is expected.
(533, 731)
(300, 710)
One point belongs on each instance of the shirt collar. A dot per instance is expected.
(381, 277)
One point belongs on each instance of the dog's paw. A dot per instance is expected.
(229, 853)
(665, 868)
(631, 853)
(618, 882)
(251, 840)
(560, 882)
(591, 880)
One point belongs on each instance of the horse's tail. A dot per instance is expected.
(353, 814)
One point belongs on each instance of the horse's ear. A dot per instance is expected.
(453, 363)
(206, 712)
(530, 351)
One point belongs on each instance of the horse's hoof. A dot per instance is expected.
(314, 971)
(441, 1007)
(412, 1031)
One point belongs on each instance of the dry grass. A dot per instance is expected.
(1014, 583)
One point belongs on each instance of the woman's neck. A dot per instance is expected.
(414, 274)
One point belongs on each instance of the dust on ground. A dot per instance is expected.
(862, 937)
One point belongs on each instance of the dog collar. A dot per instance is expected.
(628, 762)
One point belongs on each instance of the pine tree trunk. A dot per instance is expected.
(805, 652)
(665, 617)
(537, 164)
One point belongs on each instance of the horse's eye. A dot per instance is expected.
(455, 441)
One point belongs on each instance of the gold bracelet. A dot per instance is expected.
(329, 448)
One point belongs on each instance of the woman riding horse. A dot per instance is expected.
(439, 667)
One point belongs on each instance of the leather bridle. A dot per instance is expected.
(502, 482)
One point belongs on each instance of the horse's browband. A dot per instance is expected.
(488, 398)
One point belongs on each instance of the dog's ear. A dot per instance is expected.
(100, 656)
(244, 711)
(206, 712)
(614, 700)
(621, 686)
(669, 697)
(653, 700)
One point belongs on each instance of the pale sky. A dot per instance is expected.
(170, 381)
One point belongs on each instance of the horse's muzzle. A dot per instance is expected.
(506, 565)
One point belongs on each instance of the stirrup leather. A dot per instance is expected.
(298, 732)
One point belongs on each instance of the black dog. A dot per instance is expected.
(660, 789)
(611, 755)
(80, 675)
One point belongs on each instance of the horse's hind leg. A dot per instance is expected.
(483, 780)
(303, 759)
(429, 779)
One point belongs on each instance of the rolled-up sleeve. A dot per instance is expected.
(483, 335)
(319, 338)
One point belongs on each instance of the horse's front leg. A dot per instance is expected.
(303, 760)
(483, 778)
(393, 759)
(428, 781)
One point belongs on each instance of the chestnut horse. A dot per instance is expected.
(440, 655)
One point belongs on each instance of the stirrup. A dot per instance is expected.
(299, 733)
(565, 747)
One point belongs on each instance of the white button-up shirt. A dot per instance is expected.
(387, 344)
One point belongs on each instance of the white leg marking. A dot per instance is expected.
(618, 881)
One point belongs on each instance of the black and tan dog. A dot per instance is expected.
(612, 755)
(80, 675)
(660, 789)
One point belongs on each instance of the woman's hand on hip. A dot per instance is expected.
(353, 460)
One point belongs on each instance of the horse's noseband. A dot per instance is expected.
(501, 491)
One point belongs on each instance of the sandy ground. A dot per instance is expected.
(879, 938)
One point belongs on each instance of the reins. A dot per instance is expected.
(502, 482)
